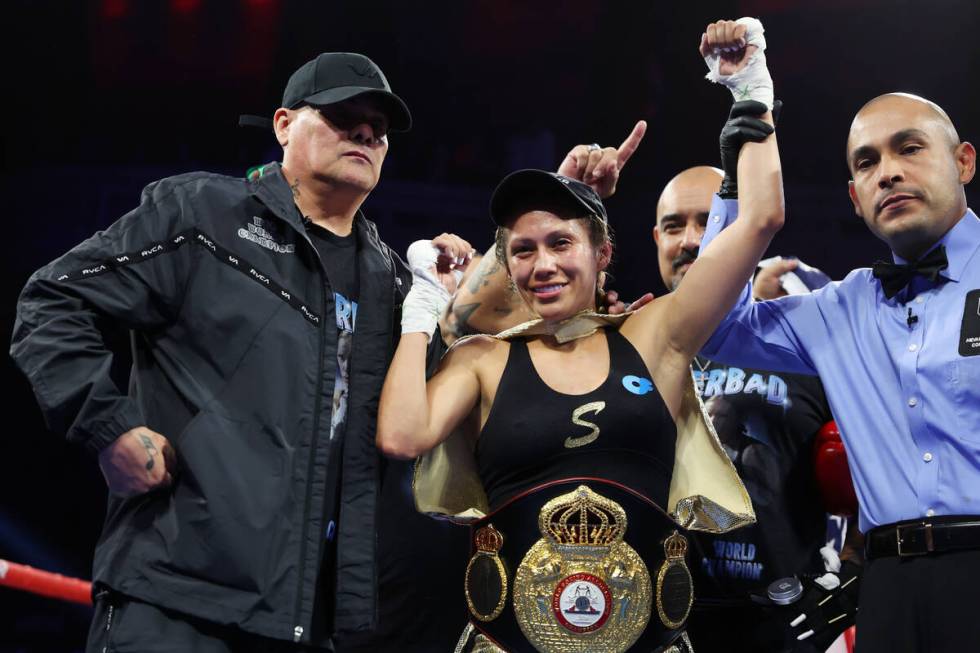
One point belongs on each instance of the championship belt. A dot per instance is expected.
(579, 565)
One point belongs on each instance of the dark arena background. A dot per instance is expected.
(108, 95)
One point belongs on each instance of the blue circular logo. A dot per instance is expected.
(637, 384)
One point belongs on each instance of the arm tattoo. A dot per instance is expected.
(481, 276)
(151, 450)
(461, 325)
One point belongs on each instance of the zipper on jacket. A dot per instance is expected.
(104, 594)
(298, 630)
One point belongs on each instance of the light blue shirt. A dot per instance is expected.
(906, 400)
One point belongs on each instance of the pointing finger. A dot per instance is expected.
(632, 142)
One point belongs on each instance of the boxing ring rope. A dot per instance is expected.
(66, 588)
(44, 583)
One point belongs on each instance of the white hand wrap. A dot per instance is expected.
(831, 561)
(753, 82)
(427, 298)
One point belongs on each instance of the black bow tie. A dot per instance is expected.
(895, 277)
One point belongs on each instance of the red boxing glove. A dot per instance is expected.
(830, 469)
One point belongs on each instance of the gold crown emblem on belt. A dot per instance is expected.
(486, 577)
(488, 539)
(581, 521)
(675, 546)
(675, 587)
(581, 587)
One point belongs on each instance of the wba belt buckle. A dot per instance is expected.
(584, 582)
(581, 587)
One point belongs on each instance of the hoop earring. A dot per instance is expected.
(600, 294)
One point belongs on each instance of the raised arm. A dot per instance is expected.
(771, 335)
(688, 316)
(415, 415)
(715, 280)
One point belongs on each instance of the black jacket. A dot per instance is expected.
(234, 350)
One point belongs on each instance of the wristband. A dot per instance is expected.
(428, 298)
(753, 82)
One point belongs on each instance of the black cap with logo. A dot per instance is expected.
(526, 190)
(337, 76)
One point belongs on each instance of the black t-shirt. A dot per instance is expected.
(766, 422)
(339, 257)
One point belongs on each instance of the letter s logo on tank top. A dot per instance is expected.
(580, 441)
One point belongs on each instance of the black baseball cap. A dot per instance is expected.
(337, 76)
(526, 190)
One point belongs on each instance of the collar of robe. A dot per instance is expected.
(580, 325)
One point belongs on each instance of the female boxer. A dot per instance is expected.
(570, 395)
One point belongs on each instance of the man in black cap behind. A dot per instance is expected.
(240, 459)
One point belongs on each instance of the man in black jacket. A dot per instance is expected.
(240, 459)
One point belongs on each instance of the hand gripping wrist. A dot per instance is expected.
(427, 299)
(752, 82)
(744, 125)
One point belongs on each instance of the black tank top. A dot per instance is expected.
(621, 431)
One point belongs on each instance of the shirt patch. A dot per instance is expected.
(255, 233)
(970, 329)
(346, 317)
(733, 560)
(637, 384)
(735, 380)
(346, 313)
